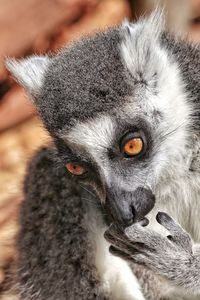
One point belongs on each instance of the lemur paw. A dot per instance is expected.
(178, 235)
(161, 254)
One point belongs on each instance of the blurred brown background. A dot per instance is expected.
(35, 26)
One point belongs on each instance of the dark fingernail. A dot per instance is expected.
(144, 222)
(170, 237)
(107, 235)
(117, 252)
(161, 216)
(113, 250)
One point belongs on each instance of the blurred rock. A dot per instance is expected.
(106, 14)
(22, 24)
(14, 108)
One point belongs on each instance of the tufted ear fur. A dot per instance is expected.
(29, 72)
(141, 49)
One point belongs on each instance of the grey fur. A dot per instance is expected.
(134, 78)
(79, 73)
(188, 58)
(55, 260)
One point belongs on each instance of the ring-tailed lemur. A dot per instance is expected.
(122, 108)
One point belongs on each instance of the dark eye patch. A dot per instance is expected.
(66, 155)
(136, 127)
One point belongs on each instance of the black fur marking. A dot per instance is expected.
(89, 78)
(86, 79)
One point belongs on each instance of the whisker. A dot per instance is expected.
(88, 191)
(91, 201)
(161, 138)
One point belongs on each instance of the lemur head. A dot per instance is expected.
(115, 106)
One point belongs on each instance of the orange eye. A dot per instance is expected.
(75, 169)
(133, 147)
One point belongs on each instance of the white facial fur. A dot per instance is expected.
(142, 54)
(96, 137)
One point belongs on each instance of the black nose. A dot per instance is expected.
(125, 215)
(126, 208)
(143, 201)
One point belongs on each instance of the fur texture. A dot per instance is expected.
(134, 79)
(54, 233)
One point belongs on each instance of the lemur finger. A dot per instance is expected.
(120, 240)
(144, 222)
(117, 252)
(136, 257)
(116, 236)
(177, 233)
(170, 224)
(113, 232)
(130, 247)
(135, 232)
(138, 234)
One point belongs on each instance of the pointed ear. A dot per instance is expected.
(29, 72)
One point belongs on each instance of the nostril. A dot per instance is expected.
(133, 211)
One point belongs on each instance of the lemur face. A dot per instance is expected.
(116, 108)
